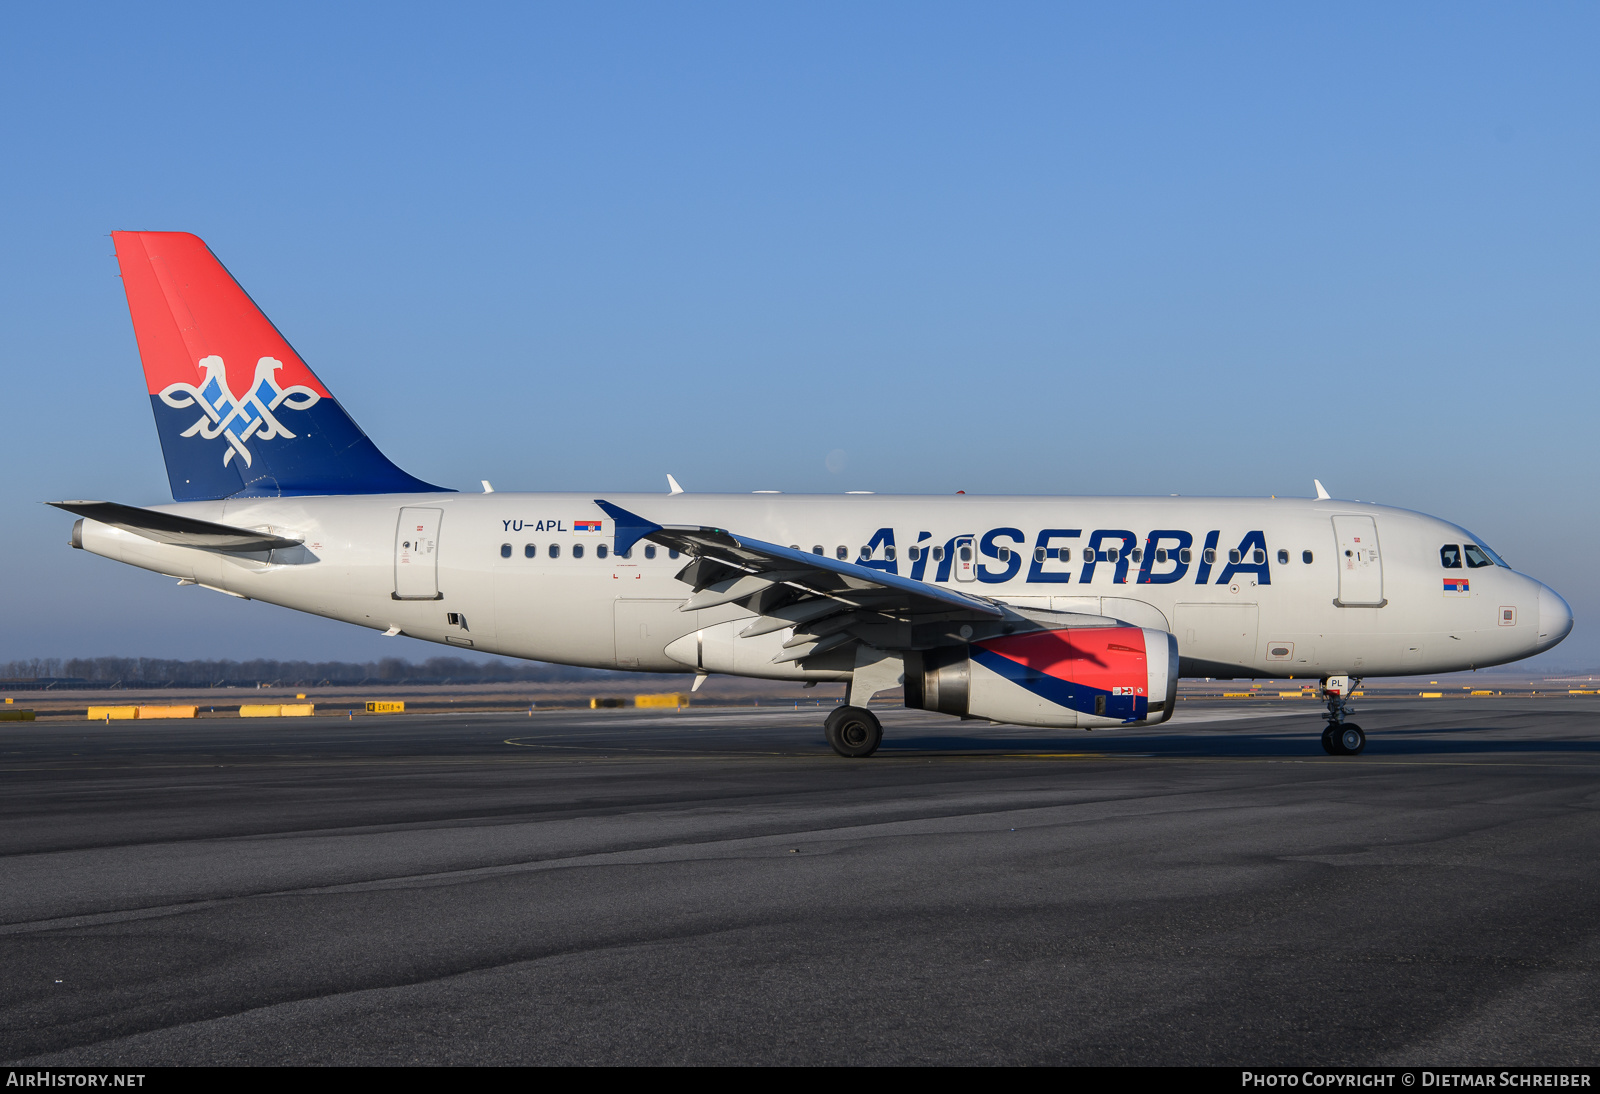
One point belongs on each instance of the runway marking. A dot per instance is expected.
(518, 742)
(578, 754)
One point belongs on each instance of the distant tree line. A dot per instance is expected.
(142, 672)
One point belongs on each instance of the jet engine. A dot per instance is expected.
(1085, 677)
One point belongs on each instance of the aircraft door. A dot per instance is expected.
(1360, 563)
(416, 555)
(966, 563)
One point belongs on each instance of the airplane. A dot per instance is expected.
(1057, 612)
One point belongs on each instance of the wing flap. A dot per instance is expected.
(829, 603)
(817, 574)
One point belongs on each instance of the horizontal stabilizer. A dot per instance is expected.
(171, 528)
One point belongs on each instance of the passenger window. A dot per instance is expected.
(530, 550)
(1283, 557)
(625, 554)
(1305, 556)
(1210, 555)
(1260, 557)
(1038, 554)
(1477, 557)
(865, 554)
(1185, 556)
(1064, 553)
(650, 551)
(672, 552)
(505, 550)
(577, 550)
(1161, 554)
(965, 552)
(1005, 554)
(1137, 554)
(888, 553)
(1450, 556)
(1112, 555)
(817, 550)
(1233, 556)
(600, 550)
(938, 554)
(841, 552)
(555, 550)
(914, 553)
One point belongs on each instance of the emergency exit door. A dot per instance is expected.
(1360, 562)
(416, 555)
(966, 565)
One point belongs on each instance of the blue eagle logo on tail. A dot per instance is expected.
(239, 419)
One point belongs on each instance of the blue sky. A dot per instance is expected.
(1025, 248)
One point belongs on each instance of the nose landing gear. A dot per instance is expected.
(1344, 740)
(1341, 738)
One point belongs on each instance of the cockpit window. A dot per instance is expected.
(1477, 553)
(1450, 556)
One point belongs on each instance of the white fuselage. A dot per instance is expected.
(1272, 619)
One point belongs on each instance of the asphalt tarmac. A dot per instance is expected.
(717, 887)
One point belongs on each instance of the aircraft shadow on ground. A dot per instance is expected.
(1402, 743)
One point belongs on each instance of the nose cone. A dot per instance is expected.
(1555, 618)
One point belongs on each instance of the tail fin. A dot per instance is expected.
(237, 409)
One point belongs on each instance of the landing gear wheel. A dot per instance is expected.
(854, 732)
(1330, 741)
(1351, 739)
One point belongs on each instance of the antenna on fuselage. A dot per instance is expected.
(1322, 491)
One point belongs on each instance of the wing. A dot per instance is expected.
(171, 528)
(829, 602)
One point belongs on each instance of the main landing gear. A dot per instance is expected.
(854, 732)
(1341, 738)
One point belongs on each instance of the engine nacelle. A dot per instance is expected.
(1085, 677)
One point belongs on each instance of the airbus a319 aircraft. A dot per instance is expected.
(1039, 611)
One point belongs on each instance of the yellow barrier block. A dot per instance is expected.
(1294, 694)
(1571, 693)
(1431, 694)
(604, 704)
(383, 706)
(1237, 694)
(1483, 693)
(297, 710)
(98, 714)
(1353, 694)
(168, 712)
(672, 700)
(277, 710)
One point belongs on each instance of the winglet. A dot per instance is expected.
(630, 527)
(672, 486)
(1322, 492)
